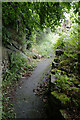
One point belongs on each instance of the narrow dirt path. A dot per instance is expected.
(26, 103)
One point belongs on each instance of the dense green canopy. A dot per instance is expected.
(31, 15)
(28, 16)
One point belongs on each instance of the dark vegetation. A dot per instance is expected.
(65, 69)
(24, 24)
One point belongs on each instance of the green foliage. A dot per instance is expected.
(30, 13)
(43, 42)
(67, 84)
(6, 36)
(61, 96)
(69, 60)
(27, 16)
(17, 66)
(69, 42)
(45, 48)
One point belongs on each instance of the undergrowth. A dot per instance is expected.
(18, 65)
(67, 84)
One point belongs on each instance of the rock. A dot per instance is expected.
(35, 91)
(59, 52)
(39, 56)
(38, 87)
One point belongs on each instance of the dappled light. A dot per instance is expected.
(40, 60)
(46, 43)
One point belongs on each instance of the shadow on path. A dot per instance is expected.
(29, 106)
